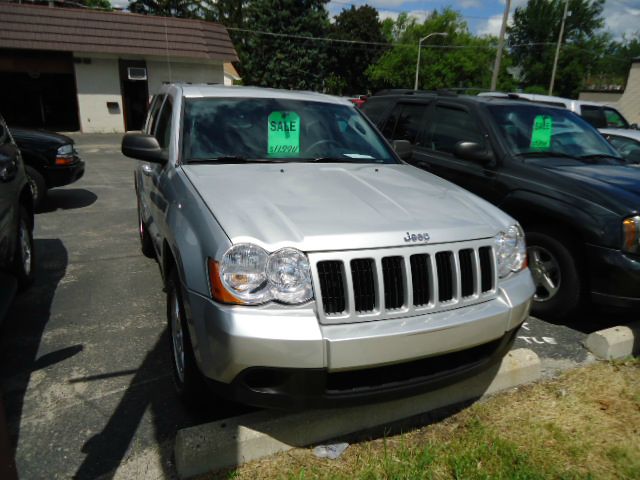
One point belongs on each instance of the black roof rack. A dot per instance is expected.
(407, 91)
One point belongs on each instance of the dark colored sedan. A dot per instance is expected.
(50, 160)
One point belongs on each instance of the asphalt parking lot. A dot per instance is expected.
(84, 357)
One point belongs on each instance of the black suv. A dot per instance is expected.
(16, 220)
(576, 199)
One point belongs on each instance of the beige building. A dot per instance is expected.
(93, 71)
(628, 102)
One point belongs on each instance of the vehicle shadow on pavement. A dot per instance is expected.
(147, 394)
(67, 199)
(22, 330)
(597, 318)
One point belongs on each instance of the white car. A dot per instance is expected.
(599, 115)
(627, 142)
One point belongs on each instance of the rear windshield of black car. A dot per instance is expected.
(278, 129)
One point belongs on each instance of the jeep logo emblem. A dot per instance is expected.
(417, 237)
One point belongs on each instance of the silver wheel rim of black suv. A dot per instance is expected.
(177, 335)
(25, 248)
(546, 273)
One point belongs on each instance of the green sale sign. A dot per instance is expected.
(283, 134)
(541, 132)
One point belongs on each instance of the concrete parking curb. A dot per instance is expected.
(231, 442)
(615, 342)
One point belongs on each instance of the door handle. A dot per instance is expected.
(146, 169)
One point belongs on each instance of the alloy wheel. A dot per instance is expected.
(25, 248)
(545, 270)
(177, 335)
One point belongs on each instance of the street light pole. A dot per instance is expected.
(503, 29)
(441, 34)
(555, 60)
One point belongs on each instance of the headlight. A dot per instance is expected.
(631, 230)
(511, 251)
(289, 276)
(249, 275)
(64, 155)
(65, 149)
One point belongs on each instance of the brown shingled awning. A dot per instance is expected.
(91, 31)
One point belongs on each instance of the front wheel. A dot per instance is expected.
(186, 375)
(37, 185)
(556, 273)
(23, 264)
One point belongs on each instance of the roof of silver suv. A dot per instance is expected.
(206, 90)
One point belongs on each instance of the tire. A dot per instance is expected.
(146, 244)
(187, 378)
(23, 265)
(554, 265)
(37, 185)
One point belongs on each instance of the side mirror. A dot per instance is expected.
(143, 147)
(403, 148)
(472, 151)
(634, 126)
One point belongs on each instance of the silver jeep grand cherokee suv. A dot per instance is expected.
(305, 264)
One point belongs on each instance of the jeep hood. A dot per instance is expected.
(317, 207)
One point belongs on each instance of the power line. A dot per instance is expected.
(363, 42)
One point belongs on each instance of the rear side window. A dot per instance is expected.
(452, 125)
(614, 118)
(409, 122)
(594, 115)
(376, 109)
(163, 131)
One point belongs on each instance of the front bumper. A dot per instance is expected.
(282, 357)
(615, 277)
(58, 176)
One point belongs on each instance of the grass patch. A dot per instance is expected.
(585, 424)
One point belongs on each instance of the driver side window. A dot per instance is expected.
(453, 125)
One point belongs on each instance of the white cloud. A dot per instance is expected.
(622, 18)
(491, 26)
(470, 3)
(419, 15)
(120, 3)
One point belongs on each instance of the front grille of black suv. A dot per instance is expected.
(365, 285)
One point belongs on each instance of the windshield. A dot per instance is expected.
(536, 131)
(266, 129)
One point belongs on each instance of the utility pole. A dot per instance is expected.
(555, 60)
(503, 29)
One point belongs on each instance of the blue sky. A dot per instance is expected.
(621, 16)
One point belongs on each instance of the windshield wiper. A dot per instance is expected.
(548, 153)
(596, 156)
(233, 159)
(341, 160)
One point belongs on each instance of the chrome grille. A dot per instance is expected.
(361, 285)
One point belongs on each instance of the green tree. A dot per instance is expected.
(533, 36)
(351, 60)
(284, 62)
(459, 60)
(230, 13)
(172, 8)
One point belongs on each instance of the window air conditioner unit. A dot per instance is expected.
(136, 73)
